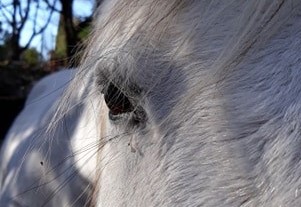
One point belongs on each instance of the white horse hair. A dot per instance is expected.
(176, 103)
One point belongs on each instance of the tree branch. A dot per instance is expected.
(23, 19)
(40, 31)
(52, 7)
(3, 10)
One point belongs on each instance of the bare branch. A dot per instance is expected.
(36, 16)
(52, 7)
(17, 13)
(14, 16)
(3, 10)
(25, 17)
(5, 5)
(40, 31)
(20, 11)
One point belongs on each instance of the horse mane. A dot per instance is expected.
(135, 28)
(206, 38)
(126, 29)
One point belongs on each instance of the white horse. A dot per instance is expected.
(177, 103)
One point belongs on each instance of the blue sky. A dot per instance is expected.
(81, 8)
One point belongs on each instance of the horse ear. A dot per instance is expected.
(117, 101)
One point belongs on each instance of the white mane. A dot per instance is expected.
(215, 88)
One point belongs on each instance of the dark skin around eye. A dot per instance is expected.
(117, 101)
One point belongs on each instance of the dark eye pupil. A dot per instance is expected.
(116, 101)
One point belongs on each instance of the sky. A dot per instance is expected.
(81, 8)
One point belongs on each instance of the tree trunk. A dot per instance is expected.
(15, 37)
(71, 34)
(16, 50)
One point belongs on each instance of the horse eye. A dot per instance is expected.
(117, 101)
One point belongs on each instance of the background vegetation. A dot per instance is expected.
(25, 56)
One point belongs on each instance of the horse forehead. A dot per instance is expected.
(146, 56)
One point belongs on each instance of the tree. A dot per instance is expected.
(68, 23)
(72, 30)
(16, 14)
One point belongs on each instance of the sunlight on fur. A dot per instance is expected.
(176, 103)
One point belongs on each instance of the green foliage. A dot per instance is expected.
(83, 29)
(31, 57)
(84, 32)
(60, 51)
